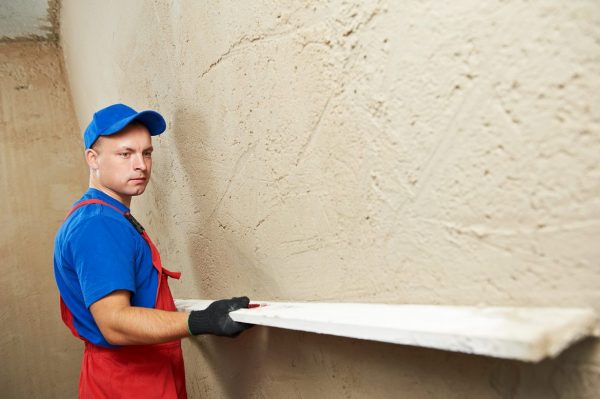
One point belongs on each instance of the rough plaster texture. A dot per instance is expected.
(400, 152)
(40, 174)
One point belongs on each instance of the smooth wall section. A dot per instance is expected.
(397, 152)
(41, 173)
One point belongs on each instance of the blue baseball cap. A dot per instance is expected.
(114, 118)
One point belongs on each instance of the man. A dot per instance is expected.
(113, 287)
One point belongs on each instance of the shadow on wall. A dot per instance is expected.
(264, 362)
(206, 239)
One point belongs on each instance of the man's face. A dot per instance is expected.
(122, 161)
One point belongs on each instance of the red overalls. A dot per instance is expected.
(135, 371)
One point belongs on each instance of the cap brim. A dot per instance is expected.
(153, 121)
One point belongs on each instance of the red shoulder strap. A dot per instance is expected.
(155, 254)
(92, 201)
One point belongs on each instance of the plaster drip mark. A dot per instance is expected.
(512, 121)
(241, 44)
(172, 58)
(482, 231)
(236, 170)
(432, 163)
(313, 131)
(376, 11)
(444, 145)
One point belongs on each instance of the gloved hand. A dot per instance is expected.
(215, 318)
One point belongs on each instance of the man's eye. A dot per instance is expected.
(124, 155)
(148, 154)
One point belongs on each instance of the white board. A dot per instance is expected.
(522, 333)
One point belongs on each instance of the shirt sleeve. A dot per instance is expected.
(104, 253)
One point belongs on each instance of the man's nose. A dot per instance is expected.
(139, 162)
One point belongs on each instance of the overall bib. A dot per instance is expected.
(133, 371)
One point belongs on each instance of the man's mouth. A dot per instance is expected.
(138, 179)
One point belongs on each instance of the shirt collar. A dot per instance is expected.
(97, 194)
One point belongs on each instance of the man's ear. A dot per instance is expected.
(91, 157)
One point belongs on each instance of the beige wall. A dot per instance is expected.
(400, 152)
(40, 175)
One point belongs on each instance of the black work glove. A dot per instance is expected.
(215, 318)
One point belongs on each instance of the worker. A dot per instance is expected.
(114, 293)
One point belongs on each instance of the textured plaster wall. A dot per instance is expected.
(40, 174)
(400, 152)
